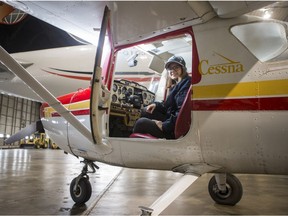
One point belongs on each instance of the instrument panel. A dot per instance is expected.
(124, 92)
(127, 100)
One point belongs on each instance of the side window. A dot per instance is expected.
(140, 78)
(265, 40)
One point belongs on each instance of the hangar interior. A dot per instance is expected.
(43, 177)
(15, 114)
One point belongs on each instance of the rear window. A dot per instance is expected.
(266, 40)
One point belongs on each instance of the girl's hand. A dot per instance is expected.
(150, 108)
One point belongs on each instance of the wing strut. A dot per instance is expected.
(191, 173)
(39, 89)
(170, 195)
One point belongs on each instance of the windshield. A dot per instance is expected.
(144, 63)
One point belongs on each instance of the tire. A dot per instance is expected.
(84, 191)
(233, 194)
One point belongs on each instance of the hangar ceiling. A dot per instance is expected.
(277, 10)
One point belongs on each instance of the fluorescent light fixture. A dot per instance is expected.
(267, 14)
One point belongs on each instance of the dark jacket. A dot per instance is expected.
(173, 104)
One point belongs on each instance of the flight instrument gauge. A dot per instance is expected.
(114, 98)
(124, 89)
(115, 87)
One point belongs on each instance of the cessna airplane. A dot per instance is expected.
(233, 120)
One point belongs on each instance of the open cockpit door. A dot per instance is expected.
(99, 93)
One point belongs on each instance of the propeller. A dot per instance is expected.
(27, 131)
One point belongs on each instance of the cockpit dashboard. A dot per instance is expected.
(127, 100)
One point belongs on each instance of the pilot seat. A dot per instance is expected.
(183, 121)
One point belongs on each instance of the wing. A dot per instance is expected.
(131, 20)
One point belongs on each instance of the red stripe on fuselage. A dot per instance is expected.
(69, 76)
(245, 104)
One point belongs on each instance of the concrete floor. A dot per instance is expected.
(36, 182)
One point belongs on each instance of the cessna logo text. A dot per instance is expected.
(230, 67)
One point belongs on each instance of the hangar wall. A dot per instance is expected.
(16, 114)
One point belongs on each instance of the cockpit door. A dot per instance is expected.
(100, 95)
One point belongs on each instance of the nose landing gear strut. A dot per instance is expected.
(80, 187)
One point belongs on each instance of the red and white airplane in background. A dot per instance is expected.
(234, 119)
(60, 65)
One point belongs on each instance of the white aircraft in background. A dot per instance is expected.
(65, 69)
(59, 66)
(234, 118)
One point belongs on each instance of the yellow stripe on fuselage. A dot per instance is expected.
(79, 105)
(71, 107)
(247, 89)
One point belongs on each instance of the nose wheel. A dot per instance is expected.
(225, 189)
(80, 187)
(82, 191)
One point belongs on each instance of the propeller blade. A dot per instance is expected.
(27, 131)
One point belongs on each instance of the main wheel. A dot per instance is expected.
(231, 196)
(83, 191)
